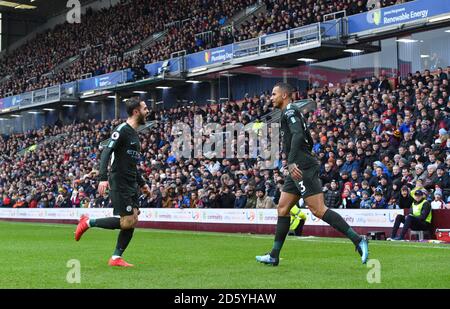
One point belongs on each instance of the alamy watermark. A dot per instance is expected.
(74, 274)
(256, 140)
(374, 274)
(74, 14)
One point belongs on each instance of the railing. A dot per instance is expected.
(86, 76)
(45, 95)
(176, 24)
(89, 48)
(335, 15)
(296, 39)
(112, 59)
(293, 38)
(131, 54)
(206, 37)
(178, 54)
(229, 28)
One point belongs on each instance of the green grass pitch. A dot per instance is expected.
(36, 256)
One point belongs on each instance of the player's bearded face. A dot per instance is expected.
(143, 113)
(141, 118)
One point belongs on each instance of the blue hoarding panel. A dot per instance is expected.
(10, 102)
(210, 56)
(397, 14)
(100, 81)
(154, 68)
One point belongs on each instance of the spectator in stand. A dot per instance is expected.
(333, 196)
(226, 198)
(241, 199)
(353, 201)
(438, 203)
(366, 200)
(263, 201)
(379, 201)
(64, 159)
(251, 198)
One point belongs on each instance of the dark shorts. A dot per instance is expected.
(123, 203)
(308, 186)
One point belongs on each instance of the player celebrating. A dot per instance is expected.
(124, 148)
(303, 179)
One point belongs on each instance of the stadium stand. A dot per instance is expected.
(370, 141)
(36, 64)
(100, 51)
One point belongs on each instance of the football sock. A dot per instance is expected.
(337, 222)
(280, 235)
(122, 242)
(111, 223)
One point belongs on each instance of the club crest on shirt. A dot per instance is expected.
(115, 136)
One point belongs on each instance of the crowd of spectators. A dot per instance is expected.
(375, 140)
(103, 37)
(282, 15)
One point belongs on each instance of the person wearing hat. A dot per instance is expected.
(444, 140)
(419, 218)
(437, 203)
(425, 134)
(366, 200)
(262, 200)
(332, 196)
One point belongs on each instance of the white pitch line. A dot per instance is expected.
(256, 236)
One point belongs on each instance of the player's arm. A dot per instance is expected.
(104, 161)
(145, 189)
(297, 138)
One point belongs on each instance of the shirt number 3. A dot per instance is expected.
(302, 187)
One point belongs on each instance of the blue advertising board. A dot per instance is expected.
(10, 102)
(154, 68)
(210, 56)
(101, 81)
(397, 14)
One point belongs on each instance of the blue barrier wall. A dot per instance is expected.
(397, 14)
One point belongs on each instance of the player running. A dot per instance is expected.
(303, 179)
(124, 151)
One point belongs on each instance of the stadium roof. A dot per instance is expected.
(38, 8)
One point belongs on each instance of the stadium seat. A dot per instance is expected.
(420, 235)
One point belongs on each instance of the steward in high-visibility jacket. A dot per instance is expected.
(418, 220)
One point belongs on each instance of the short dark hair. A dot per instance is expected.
(285, 87)
(132, 104)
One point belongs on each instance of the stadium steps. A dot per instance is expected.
(65, 63)
(148, 41)
(307, 105)
(141, 129)
(4, 79)
(43, 143)
(247, 14)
